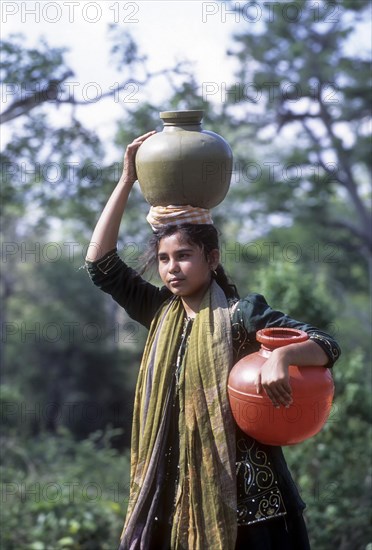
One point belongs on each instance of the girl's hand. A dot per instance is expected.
(129, 174)
(274, 379)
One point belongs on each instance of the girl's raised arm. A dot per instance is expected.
(105, 234)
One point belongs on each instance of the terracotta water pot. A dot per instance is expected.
(184, 164)
(312, 393)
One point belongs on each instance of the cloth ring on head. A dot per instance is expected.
(160, 216)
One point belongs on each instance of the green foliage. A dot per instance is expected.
(59, 493)
(69, 351)
(85, 382)
(333, 468)
(40, 165)
(290, 288)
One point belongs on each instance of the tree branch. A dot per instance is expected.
(51, 93)
(23, 106)
(364, 238)
(344, 177)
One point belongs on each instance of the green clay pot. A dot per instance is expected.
(184, 164)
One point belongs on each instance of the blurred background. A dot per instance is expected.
(288, 85)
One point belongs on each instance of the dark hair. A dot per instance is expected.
(205, 236)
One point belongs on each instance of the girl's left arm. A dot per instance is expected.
(254, 313)
(274, 377)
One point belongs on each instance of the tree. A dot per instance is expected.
(305, 97)
(33, 77)
(55, 172)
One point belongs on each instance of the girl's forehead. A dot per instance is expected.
(174, 241)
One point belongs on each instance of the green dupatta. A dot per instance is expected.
(205, 505)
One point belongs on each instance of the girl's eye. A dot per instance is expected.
(184, 255)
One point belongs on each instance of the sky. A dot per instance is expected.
(166, 31)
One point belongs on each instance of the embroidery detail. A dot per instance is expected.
(259, 497)
(240, 340)
(108, 263)
(332, 352)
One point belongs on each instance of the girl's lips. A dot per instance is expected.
(175, 281)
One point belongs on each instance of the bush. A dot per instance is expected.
(59, 493)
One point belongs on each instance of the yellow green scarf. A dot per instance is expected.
(205, 506)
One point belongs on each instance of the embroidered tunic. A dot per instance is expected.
(265, 488)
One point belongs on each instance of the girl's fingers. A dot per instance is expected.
(279, 395)
(132, 147)
(144, 136)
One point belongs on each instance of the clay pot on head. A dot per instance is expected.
(184, 164)
(312, 393)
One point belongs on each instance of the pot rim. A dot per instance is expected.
(275, 337)
(184, 117)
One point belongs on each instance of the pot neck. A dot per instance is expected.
(277, 337)
(174, 126)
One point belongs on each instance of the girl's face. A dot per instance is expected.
(183, 267)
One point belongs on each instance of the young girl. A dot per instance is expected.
(197, 481)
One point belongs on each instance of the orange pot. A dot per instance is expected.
(312, 393)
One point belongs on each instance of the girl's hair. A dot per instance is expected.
(205, 236)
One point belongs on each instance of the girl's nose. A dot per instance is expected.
(173, 266)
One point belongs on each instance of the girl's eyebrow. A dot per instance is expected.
(179, 251)
(182, 250)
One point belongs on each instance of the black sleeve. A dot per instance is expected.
(139, 298)
(254, 313)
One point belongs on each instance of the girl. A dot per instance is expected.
(198, 482)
